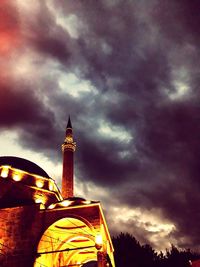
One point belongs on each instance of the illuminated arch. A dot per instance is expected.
(68, 241)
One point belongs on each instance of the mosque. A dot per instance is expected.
(43, 227)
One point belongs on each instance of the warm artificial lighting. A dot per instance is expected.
(98, 241)
(38, 200)
(42, 206)
(39, 183)
(41, 202)
(69, 139)
(5, 171)
(87, 202)
(1, 244)
(66, 203)
(17, 176)
(52, 206)
(50, 186)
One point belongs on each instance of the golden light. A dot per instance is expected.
(38, 201)
(69, 139)
(42, 206)
(51, 186)
(41, 201)
(71, 233)
(66, 203)
(52, 206)
(87, 202)
(39, 183)
(17, 176)
(1, 244)
(98, 241)
(5, 171)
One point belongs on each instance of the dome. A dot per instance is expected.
(23, 164)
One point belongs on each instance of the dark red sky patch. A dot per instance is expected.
(9, 28)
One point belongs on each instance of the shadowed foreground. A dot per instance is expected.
(129, 252)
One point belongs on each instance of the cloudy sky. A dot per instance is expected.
(128, 74)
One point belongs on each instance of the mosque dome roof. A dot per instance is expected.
(23, 164)
(71, 201)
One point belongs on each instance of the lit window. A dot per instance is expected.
(16, 176)
(39, 183)
(5, 171)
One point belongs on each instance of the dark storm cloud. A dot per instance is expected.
(46, 37)
(104, 165)
(22, 102)
(166, 130)
(139, 56)
(22, 109)
(178, 20)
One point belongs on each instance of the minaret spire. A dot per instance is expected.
(68, 148)
(69, 124)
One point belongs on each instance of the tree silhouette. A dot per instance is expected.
(130, 253)
(127, 249)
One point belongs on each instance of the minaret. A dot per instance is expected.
(68, 148)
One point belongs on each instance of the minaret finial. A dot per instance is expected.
(69, 124)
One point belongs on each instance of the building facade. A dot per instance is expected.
(42, 227)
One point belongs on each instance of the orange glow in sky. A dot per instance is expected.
(9, 27)
(8, 41)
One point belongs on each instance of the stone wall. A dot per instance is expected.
(21, 229)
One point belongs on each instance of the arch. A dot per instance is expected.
(68, 241)
(57, 216)
(91, 263)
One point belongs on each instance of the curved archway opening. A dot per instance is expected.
(67, 242)
(90, 264)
